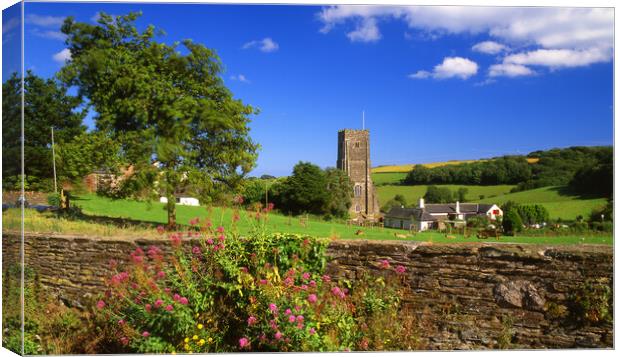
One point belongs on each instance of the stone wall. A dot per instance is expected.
(478, 295)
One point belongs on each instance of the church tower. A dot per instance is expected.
(354, 159)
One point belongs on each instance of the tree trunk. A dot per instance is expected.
(171, 206)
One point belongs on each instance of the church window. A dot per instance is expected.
(357, 190)
(357, 208)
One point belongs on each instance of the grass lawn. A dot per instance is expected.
(154, 213)
(386, 178)
(558, 204)
(413, 193)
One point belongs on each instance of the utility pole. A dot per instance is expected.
(363, 120)
(54, 162)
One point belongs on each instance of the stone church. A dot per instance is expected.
(354, 159)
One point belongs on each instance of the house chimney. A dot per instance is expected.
(458, 207)
(421, 203)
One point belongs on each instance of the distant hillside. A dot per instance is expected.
(430, 165)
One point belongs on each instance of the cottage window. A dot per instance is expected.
(357, 190)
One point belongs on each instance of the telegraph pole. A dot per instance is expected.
(54, 162)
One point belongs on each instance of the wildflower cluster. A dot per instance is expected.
(216, 291)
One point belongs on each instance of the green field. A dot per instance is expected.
(385, 178)
(559, 205)
(413, 193)
(95, 207)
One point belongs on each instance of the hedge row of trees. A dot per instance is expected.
(309, 189)
(586, 170)
(517, 215)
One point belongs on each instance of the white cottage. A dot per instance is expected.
(434, 216)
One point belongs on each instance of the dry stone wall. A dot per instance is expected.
(465, 296)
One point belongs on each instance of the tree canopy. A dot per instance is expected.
(46, 104)
(167, 106)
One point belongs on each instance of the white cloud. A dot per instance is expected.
(557, 37)
(240, 78)
(489, 47)
(367, 31)
(420, 75)
(50, 34)
(455, 67)
(509, 70)
(451, 67)
(62, 56)
(10, 25)
(44, 21)
(560, 58)
(265, 45)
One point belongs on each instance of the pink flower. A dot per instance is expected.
(169, 308)
(147, 307)
(196, 250)
(124, 340)
(273, 308)
(167, 290)
(243, 342)
(312, 283)
(306, 276)
(121, 322)
(304, 287)
(300, 318)
(297, 308)
(291, 318)
(221, 238)
(161, 274)
(312, 331)
(175, 239)
(337, 292)
(273, 325)
(137, 259)
(326, 278)
(400, 269)
(289, 281)
(278, 335)
(312, 298)
(194, 221)
(209, 241)
(183, 301)
(100, 304)
(384, 264)
(252, 320)
(176, 297)
(220, 229)
(263, 281)
(161, 229)
(145, 334)
(244, 269)
(159, 302)
(287, 312)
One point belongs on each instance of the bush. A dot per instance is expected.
(220, 292)
(512, 222)
(53, 199)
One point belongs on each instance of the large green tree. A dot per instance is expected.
(46, 104)
(305, 191)
(339, 190)
(176, 121)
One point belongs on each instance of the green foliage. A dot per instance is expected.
(398, 201)
(220, 292)
(47, 105)
(591, 303)
(86, 153)
(503, 170)
(254, 191)
(163, 104)
(339, 190)
(435, 194)
(461, 194)
(305, 191)
(603, 214)
(511, 222)
(53, 199)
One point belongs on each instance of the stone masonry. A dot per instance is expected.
(464, 296)
(354, 159)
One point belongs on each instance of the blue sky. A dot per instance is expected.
(436, 83)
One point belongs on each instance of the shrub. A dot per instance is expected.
(591, 303)
(53, 199)
(219, 292)
(512, 222)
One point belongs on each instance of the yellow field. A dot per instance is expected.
(409, 167)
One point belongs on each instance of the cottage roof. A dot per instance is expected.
(426, 213)
(407, 213)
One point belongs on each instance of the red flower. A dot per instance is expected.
(100, 304)
(244, 342)
(145, 334)
(220, 229)
(183, 301)
(312, 298)
(400, 269)
(169, 307)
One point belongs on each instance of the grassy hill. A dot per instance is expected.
(559, 204)
(413, 193)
